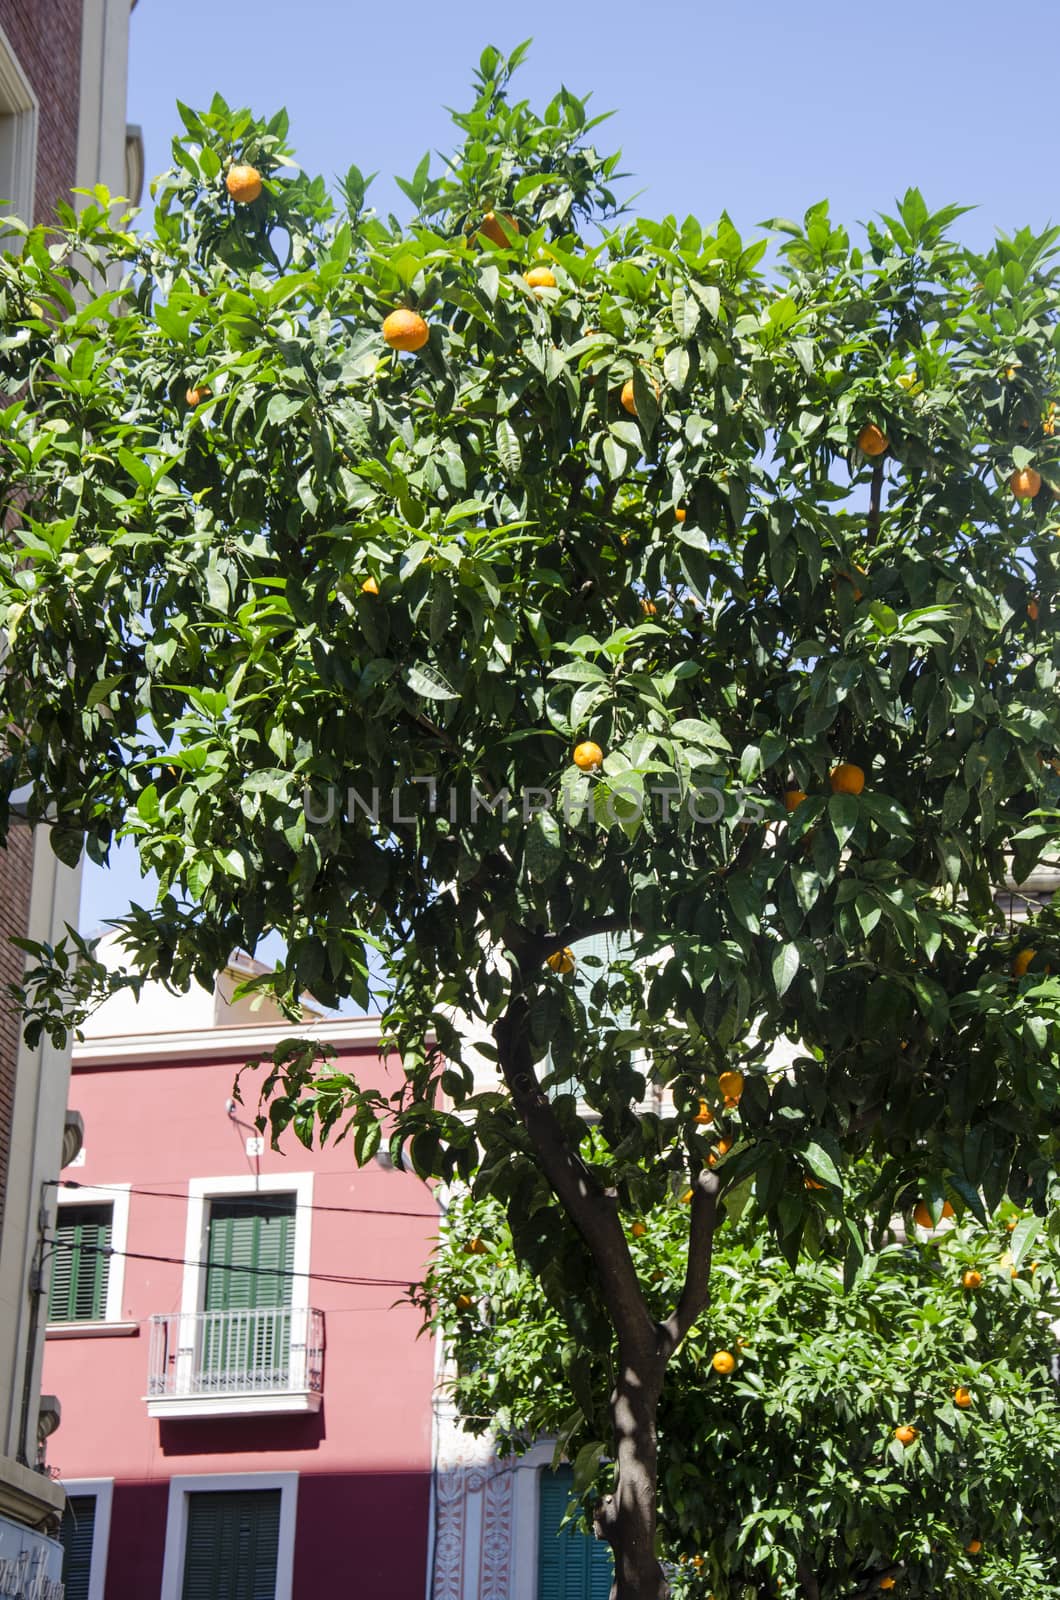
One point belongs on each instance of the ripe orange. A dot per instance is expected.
(704, 1116)
(1025, 483)
(1032, 610)
(697, 1561)
(561, 960)
(492, 228)
(1022, 962)
(629, 398)
(639, 1229)
(1011, 1224)
(923, 1216)
(475, 1247)
(464, 1302)
(243, 183)
(974, 1546)
(905, 1434)
(723, 1361)
(846, 778)
(731, 1085)
(680, 513)
(972, 1279)
(405, 330)
(887, 1583)
(793, 798)
(648, 607)
(588, 756)
(540, 278)
(197, 396)
(686, 1198)
(872, 441)
(962, 1397)
(369, 586)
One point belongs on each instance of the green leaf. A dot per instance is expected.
(428, 682)
(586, 1463)
(784, 967)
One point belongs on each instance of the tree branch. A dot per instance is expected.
(696, 1290)
(594, 1214)
(875, 495)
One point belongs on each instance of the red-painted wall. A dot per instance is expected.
(364, 1460)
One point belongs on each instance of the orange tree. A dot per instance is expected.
(564, 603)
(781, 1467)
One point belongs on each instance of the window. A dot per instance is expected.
(80, 1260)
(230, 1536)
(88, 1262)
(232, 1545)
(18, 136)
(84, 1535)
(246, 1337)
(75, 1534)
(572, 1565)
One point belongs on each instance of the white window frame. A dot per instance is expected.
(201, 1191)
(245, 1186)
(103, 1491)
(216, 1483)
(17, 93)
(115, 1195)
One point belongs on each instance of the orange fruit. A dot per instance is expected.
(1022, 962)
(464, 1302)
(492, 228)
(704, 1116)
(905, 1434)
(686, 1198)
(475, 1247)
(972, 1279)
(405, 330)
(887, 1583)
(588, 756)
(540, 278)
(561, 960)
(629, 399)
(680, 513)
(872, 441)
(369, 586)
(697, 1562)
(1032, 610)
(649, 608)
(846, 778)
(923, 1216)
(974, 1546)
(197, 396)
(1025, 483)
(723, 1361)
(243, 183)
(639, 1229)
(962, 1397)
(793, 798)
(731, 1084)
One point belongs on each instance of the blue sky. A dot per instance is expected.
(760, 110)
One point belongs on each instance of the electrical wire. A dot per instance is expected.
(260, 1200)
(264, 1272)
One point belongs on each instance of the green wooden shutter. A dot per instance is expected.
(250, 1254)
(80, 1267)
(571, 1565)
(75, 1533)
(232, 1544)
(249, 1260)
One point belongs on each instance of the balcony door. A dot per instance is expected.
(246, 1331)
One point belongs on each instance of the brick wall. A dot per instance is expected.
(16, 871)
(46, 37)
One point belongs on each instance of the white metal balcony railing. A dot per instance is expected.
(231, 1363)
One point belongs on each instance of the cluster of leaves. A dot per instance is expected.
(787, 1470)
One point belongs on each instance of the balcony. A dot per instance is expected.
(236, 1363)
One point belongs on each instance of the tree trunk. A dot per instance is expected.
(627, 1517)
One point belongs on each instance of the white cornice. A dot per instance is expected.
(200, 1044)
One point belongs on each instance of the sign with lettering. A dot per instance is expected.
(30, 1565)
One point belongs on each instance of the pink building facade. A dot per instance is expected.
(247, 1406)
